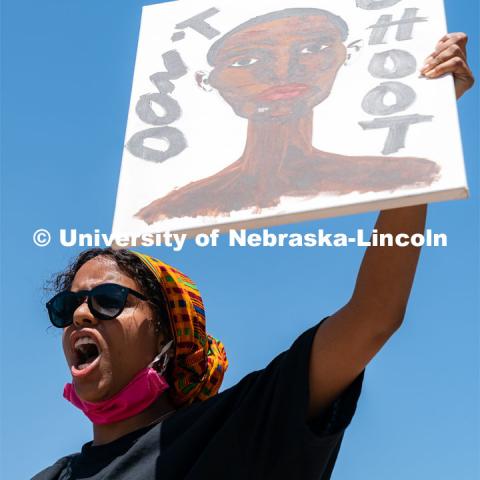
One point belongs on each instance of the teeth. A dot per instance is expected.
(84, 341)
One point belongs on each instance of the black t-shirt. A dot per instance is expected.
(256, 429)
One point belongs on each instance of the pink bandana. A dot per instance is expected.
(138, 395)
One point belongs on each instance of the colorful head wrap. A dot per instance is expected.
(200, 361)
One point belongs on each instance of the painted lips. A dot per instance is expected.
(284, 92)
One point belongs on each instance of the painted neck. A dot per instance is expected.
(277, 138)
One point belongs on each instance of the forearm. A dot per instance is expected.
(386, 274)
(350, 338)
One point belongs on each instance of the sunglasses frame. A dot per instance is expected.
(88, 294)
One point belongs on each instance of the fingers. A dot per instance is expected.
(452, 51)
(450, 56)
(459, 37)
(450, 46)
(455, 65)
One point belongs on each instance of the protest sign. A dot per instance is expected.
(247, 114)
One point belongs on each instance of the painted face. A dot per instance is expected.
(122, 346)
(279, 69)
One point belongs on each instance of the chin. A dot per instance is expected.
(263, 113)
(94, 391)
(89, 393)
(274, 117)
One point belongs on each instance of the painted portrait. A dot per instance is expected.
(274, 71)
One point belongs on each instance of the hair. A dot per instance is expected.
(339, 22)
(129, 264)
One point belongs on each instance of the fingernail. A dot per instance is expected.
(430, 73)
(426, 67)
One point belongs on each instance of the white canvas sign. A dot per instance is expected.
(274, 111)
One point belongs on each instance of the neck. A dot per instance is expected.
(103, 434)
(277, 138)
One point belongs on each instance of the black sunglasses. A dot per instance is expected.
(105, 302)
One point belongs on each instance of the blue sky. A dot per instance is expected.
(67, 71)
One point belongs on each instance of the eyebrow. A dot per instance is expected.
(248, 33)
(263, 41)
(318, 35)
(256, 45)
(269, 42)
(235, 52)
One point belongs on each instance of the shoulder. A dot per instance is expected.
(260, 425)
(53, 472)
(255, 387)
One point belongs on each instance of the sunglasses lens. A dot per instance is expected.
(105, 302)
(108, 300)
(61, 308)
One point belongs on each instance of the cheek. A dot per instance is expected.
(230, 79)
(324, 65)
(214, 78)
(65, 336)
(134, 334)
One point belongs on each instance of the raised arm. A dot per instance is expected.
(349, 339)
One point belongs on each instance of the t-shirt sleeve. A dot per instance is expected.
(275, 406)
(286, 382)
(258, 429)
(57, 471)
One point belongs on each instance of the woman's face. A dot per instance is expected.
(281, 68)
(125, 344)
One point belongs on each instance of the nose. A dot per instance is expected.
(281, 66)
(284, 67)
(83, 317)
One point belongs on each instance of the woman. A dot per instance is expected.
(274, 70)
(146, 373)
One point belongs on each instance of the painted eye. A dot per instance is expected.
(245, 62)
(314, 48)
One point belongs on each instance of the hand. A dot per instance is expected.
(450, 56)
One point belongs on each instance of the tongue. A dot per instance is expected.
(86, 362)
(83, 366)
(91, 358)
(88, 355)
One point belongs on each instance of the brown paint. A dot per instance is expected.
(294, 70)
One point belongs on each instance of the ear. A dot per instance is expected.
(202, 81)
(353, 51)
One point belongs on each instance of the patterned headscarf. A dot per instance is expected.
(200, 361)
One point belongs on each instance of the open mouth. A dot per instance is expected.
(86, 353)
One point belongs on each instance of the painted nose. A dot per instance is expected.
(284, 68)
(281, 67)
